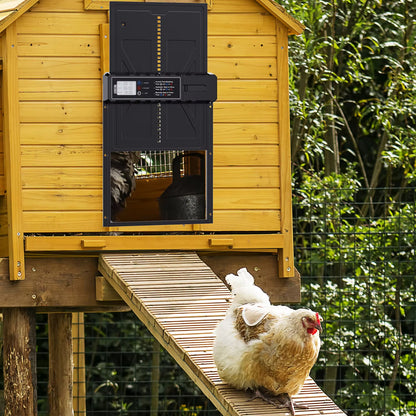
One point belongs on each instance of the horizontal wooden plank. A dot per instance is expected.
(62, 178)
(88, 221)
(38, 133)
(236, 6)
(59, 67)
(68, 67)
(245, 133)
(61, 6)
(151, 242)
(247, 24)
(91, 112)
(217, 6)
(45, 278)
(243, 68)
(247, 90)
(245, 155)
(246, 198)
(58, 45)
(61, 112)
(91, 200)
(240, 177)
(101, 4)
(249, 112)
(62, 155)
(252, 46)
(91, 178)
(62, 90)
(60, 23)
(62, 200)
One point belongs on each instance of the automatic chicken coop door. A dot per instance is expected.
(157, 115)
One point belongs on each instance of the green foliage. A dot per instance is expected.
(121, 368)
(359, 273)
(352, 79)
(353, 98)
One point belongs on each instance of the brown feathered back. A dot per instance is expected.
(280, 352)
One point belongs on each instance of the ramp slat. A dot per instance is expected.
(181, 301)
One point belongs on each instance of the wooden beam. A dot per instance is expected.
(66, 283)
(12, 159)
(60, 365)
(286, 253)
(105, 47)
(293, 26)
(19, 361)
(104, 291)
(264, 268)
(15, 11)
(253, 242)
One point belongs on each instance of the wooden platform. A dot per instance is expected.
(180, 300)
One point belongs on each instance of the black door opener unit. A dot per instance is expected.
(157, 98)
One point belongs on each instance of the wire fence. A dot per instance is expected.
(355, 250)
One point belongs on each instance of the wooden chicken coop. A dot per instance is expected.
(73, 85)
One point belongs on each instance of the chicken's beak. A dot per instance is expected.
(318, 326)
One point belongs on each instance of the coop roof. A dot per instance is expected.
(10, 10)
(294, 26)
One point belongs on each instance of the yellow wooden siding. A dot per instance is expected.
(61, 113)
(2, 177)
(61, 133)
(90, 221)
(58, 89)
(245, 133)
(4, 245)
(62, 177)
(50, 67)
(241, 46)
(91, 177)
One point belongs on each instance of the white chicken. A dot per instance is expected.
(267, 349)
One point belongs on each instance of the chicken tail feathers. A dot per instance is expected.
(243, 278)
(244, 289)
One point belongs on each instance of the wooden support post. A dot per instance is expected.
(60, 365)
(19, 349)
(12, 157)
(286, 255)
(78, 347)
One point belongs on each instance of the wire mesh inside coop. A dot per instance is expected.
(156, 164)
(165, 186)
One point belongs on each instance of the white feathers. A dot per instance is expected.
(244, 289)
(259, 345)
(253, 314)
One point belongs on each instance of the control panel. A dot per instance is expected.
(146, 88)
(202, 88)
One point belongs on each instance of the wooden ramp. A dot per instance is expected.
(180, 300)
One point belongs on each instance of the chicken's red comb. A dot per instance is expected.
(317, 318)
